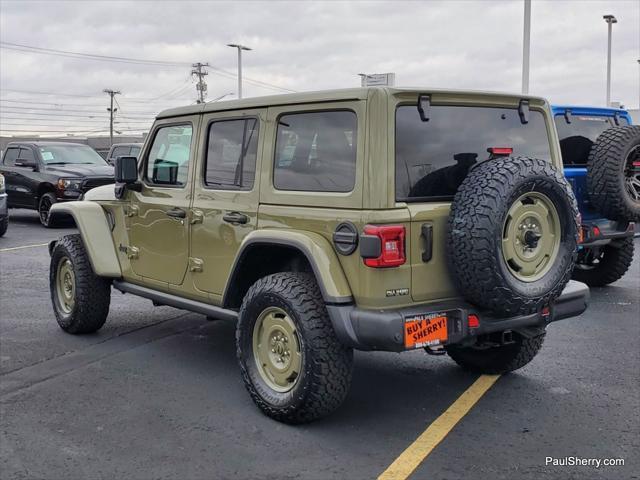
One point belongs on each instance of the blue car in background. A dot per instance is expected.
(601, 156)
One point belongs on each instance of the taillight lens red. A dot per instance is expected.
(392, 252)
(473, 320)
(500, 150)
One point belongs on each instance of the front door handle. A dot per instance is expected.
(235, 217)
(176, 213)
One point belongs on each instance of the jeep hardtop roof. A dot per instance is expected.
(323, 96)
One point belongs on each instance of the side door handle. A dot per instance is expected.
(235, 217)
(176, 213)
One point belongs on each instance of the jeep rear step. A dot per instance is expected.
(386, 329)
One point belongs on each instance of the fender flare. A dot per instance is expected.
(92, 223)
(316, 249)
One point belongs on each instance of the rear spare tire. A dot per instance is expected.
(512, 237)
(613, 173)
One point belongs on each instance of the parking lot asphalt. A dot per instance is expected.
(157, 394)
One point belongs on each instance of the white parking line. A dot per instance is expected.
(24, 246)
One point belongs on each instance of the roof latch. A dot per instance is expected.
(616, 118)
(567, 115)
(523, 111)
(424, 104)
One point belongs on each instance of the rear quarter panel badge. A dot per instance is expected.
(397, 292)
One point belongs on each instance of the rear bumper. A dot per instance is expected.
(384, 329)
(603, 231)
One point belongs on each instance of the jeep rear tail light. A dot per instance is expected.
(385, 246)
(500, 151)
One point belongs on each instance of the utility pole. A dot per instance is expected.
(201, 86)
(610, 19)
(112, 111)
(240, 49)
(526, 46)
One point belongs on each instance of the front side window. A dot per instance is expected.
(578, 136)
(316, 152)
(434, 157)
(168, 160)
(135, 151)
(120, 152)
(26, 154)
(231, 154)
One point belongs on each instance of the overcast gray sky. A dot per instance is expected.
(301, 46)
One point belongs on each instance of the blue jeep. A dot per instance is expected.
(601, 155)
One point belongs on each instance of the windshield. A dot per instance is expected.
(577, 137)
(434, 157)
(70, 154)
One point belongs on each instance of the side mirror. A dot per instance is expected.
(26, 164)
(126, 170)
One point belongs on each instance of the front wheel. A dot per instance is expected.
(4, 225)
(601, 266)
(489, 359)
(292, 363)
(47, 200)
(80, 298)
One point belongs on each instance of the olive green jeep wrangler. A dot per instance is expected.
(372, 219)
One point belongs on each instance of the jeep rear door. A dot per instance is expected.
(433, 157)
(225, 202)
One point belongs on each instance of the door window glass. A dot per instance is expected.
(11, 156)
(27, 154)
(120, 152)
(231, 154)
(168, 160)
(316, 152)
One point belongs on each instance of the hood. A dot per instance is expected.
(80, 170)
(104, 193)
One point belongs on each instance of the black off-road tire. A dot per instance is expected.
(476, 227)
(327, 365)
(45, 202)
(612, 263)
(498, 360)
(606, 173)
(92, 293)
(4, 225)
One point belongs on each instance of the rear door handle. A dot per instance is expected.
(235, 217)
(176, 213)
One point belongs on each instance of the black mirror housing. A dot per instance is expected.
(26, 164)
(126, 170)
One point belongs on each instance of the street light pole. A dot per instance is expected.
(240, 48)
(525, 46)
(610, 19)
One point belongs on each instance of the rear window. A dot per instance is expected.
(316, 152)
(434, 157)
(577, 138)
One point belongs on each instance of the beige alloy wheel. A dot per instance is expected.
(531, 236)
(66, 285)
(276, 349)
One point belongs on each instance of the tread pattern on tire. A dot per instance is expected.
(498, 360)
(605, 180)
(474, 231)
(614, 264)
(328, 365)
(93, 293)
(4, 225)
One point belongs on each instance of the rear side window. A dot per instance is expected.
(168, 161)
(577, 138)
(434, 157)
(11, 156)
(231, 154)
(316, 152)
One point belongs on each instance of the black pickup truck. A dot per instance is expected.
(39, 174)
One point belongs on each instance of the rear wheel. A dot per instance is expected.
(601, 266)
(489, 359)
(292, 363)
(80, 298)
(44, 205)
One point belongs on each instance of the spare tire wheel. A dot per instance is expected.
(613, 173)
(512, 235)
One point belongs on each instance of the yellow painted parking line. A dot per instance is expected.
(412, 457)
(24, 246)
